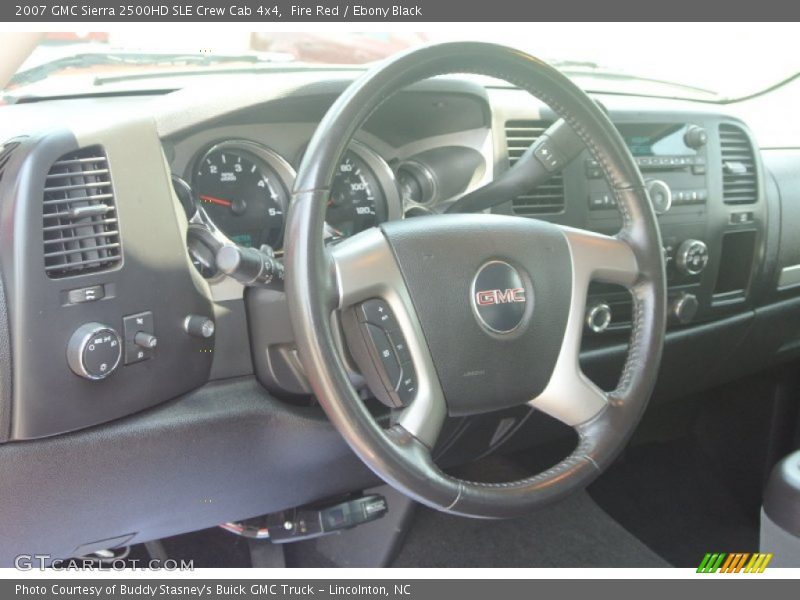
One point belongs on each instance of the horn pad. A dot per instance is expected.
(492, 295)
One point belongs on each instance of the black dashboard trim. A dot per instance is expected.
(224, 452)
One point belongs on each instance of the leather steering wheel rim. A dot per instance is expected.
(319, 283)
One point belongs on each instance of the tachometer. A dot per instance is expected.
(357, 201)
(238, 185)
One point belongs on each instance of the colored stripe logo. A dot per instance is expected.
(738, 562)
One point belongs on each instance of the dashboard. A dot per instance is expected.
(111, 211)
(230, 162)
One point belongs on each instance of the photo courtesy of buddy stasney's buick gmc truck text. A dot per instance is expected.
(208, 590)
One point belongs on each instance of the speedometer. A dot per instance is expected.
(356, 201)
(241, 191)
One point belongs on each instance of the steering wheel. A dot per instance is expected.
(490, 307)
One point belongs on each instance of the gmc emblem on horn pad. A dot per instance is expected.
(499, 297)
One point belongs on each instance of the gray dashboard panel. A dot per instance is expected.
(225, 452)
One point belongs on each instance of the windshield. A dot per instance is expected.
(714, 62)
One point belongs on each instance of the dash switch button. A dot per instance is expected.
(140, 339)
(87, 294)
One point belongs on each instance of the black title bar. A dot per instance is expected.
(275, 11)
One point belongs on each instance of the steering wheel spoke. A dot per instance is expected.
(570, 396)
(365, 268)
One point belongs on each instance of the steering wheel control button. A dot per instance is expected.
(377, 312)
(385, 352)
(499, 297)
(400, 346)
(94, 351)
(382, 353)
(408, 385)
(199, 326)
(140, 339)
(87, 294)
(548, 156)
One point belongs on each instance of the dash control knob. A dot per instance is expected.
(660, 195)
(684, 308)
(94, 351)
(695, 137)
(145, 340)
(691, 257)
(198, 326)
(598, 317)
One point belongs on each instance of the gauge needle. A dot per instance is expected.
(214, 200)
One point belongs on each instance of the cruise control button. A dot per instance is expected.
(408, 385)
(385, 350)
(377, 312)
(547, 156)
(400, 346)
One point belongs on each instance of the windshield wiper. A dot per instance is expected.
(91, 59)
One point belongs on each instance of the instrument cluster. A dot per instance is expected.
(239, 191)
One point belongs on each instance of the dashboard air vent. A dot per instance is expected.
(79, 217)
(739, 180)
(547, 198)
(5, 153)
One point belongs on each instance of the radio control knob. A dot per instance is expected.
(94, 351)
(660, 195)
(684, 308)
(691, 257)
(598, 317)
(695, 137)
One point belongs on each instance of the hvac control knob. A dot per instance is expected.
(684, 308)
(691, 257)
(695, 137)
(660, 195)
(94, 351)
